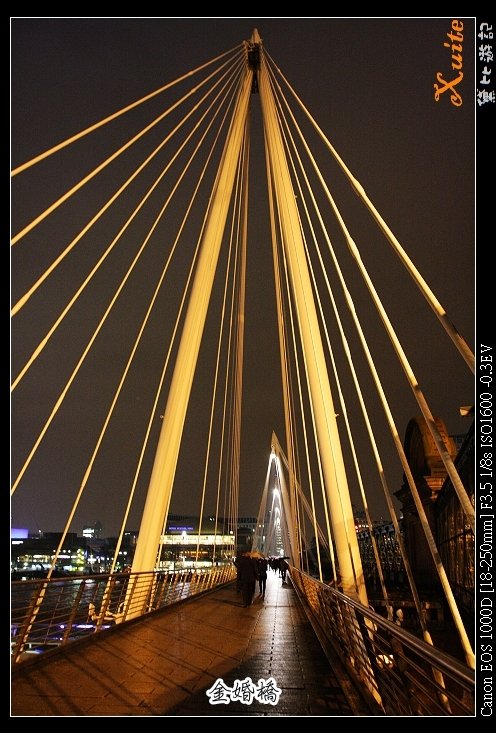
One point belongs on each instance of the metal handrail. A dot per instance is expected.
(399, 673)
(50, 613)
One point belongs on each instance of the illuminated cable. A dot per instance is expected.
(104, 256)
(174, 333)
(398, 444)
(333, 361)
(274, 245)
(288, 399)
(24, 299)
(108, 160)
(438, 677)
(463, 497)
(285, 371)
(217, 364)
(355, 570)
(435, 305)
(88, 346)
(113, 116)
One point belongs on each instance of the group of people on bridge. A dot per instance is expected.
(252, 567)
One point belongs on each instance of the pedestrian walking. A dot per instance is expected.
(262, 575)
(283, 567)
(247, 577)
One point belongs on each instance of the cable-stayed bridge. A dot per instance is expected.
(168, 241)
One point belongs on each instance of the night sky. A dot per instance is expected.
(369, 84)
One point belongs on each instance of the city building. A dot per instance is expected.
(455, 538)
(186, 544)
(32, 556)
(93, 531)
(183, 545)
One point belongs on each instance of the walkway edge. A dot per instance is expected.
(36, 661)
(357, 702)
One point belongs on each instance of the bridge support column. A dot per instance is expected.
(329, 445)
(164, 467)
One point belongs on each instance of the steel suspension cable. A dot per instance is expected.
(109, 160)
(153, 412)
(96, 331)
(373, 442)
(399, 447)
(288, 389)
(463, 497)
(232, 77)
(319, 461)
(222, 458)
(236, 213)
(240, 324)
(283, 339)
(227, 87)
(283, 355)
(438, 677)
(173, 337)
(435, 305)
(322, 484)
(342, 399)
(282, 345)
(422, 620)
(114, 116)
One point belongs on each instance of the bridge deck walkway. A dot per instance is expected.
(164, 663)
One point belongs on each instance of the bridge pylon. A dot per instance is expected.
(328, 440)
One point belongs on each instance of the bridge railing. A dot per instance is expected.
(50, 613)
(398, 672)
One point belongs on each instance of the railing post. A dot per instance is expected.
(30, 619)
(105, 603)
(172, 588)
(130, 596)
(72, 616)
(160, 594)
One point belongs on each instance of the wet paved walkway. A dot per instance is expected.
(164, 664)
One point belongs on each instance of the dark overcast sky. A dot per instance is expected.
(369, 84)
